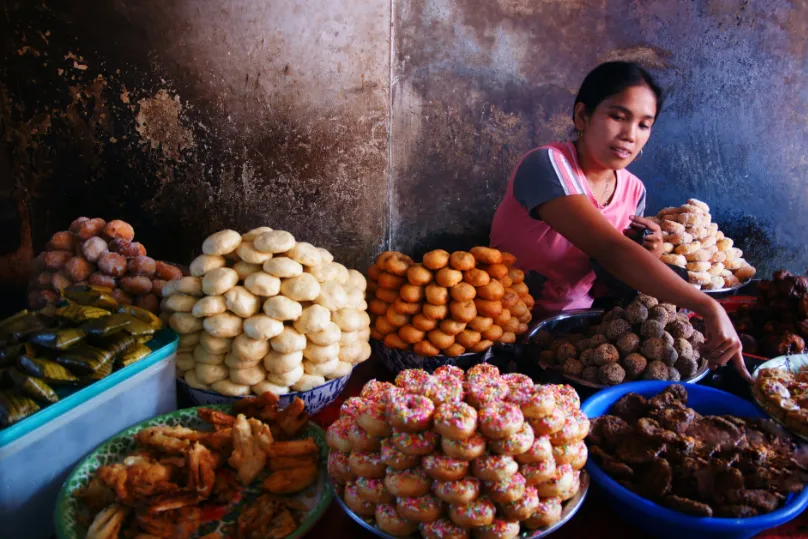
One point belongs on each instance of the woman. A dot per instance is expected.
(568, 203)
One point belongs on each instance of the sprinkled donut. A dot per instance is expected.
(524, 506)
(481, 390)
(444, 468)
(506, 491)
(356, 503)
(389, 521)
(516, 444)
(458, 492)
(366, 464)
(561, 481)
(499, 420)
(337, 435)
(443, 389)
(361, 440)
(540, 451)
(411, 413)
(373, 419)
(450, 370)
(468, 449)
(520, 386)
(352, 406)
(547, 514)
(567, 398)
(482, 370)
(426, 508)
(549, 423)
(395, 459)
(374, 387)
(407, 483)
(338, 467)
(413, 381)
(456, 421)
(442, 528)
(494, 467)
(574, 454)
(415, 443)
(573, 489)
(541, 403)
(499, 529)
(538, 472)
(575, 429)
(479, 512)
(373, 491)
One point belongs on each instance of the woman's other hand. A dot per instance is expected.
(653, 241)
(722, 343)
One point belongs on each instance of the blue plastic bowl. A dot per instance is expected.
(659, 521)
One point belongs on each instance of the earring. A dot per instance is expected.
(640, 155)
(580, 133)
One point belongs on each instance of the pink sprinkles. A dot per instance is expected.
(412, 409)
(458, 415)
(419, 441)
(450, 370)
(352, 407)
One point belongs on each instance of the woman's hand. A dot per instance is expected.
(653, 241)
(722, 342)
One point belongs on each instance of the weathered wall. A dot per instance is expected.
(187, 116)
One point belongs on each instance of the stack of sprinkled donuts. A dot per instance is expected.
(454, 453)
(448, 304)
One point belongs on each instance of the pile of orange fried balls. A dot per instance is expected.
(448, 304)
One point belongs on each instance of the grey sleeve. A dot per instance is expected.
(541, 178)
(641, 205)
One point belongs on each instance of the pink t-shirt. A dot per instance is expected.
(544, 174)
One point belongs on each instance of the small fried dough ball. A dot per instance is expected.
(634, 365)
(461, 260)
(611, 374)
(418, 275)
(436, 259)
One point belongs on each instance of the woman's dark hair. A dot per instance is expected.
(612, 78)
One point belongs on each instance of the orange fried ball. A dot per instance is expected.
(383, 326)
(508, 338)
(463, 311)
(436, 295)
(493, 291)
(461, 260)
(436, 259)
(493, 333)
(411, 335)
(482, 346)
(508, 259)
(378, 307)
(516, 275)
(476, 277)
(468, 338)
(423, 323)
(455, 350)
(521, 289)
(426, 348)
(412, 293)
(511, 326)
(387, 296)
(481, 323)
(497, 271)
(395, 318)
(452, 327)
(440, 339)
(398, 264)
(503, 318)
(520, 309)
(463, 292)
(435, 312)
(510, 298)
(373, 272)
(401, 306)
(486, 255)
(448, 277)
(392, 340)
(488, 308)
(417, 274)
(390, 281)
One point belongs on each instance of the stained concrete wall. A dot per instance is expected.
(184, 117)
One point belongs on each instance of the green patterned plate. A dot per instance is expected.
(316, 498)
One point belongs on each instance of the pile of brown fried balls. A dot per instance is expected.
(721, 466)
(449, 303)
(100, 253)
(647, 340)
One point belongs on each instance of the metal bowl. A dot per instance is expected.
(786, 363)
(577, 321)
(315, 399)
(398, 360)
(570, 508)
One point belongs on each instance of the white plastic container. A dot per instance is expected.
(37, 454)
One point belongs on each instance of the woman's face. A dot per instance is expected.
(618, 128)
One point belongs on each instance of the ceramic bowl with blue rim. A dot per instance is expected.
(396, 361)
(315, 399)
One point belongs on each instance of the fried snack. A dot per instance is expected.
(291, 480)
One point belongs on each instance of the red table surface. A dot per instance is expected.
(594, 520)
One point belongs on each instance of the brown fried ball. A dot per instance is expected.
(476, 277)
(611, 374)
(487, 308)
(683, 347)
(436, 259)
(483, 323)
(412, 293)
(616, 328)
(404, 307)
(628, 343)
(454, 350)
(142, 265)
(90, 228)
(392, 340)
(452, 327)
(418, 275)
(61, 241)
(93, 248)
(461, 260)
(125, 299)
(157, 287)
(697, 339)
(43, 280)
(167, 272)
(680, 329)
(76, 224)
(587, 357)
(468, 338)
(653, 349)
(652, 329)
(590, 374)
(637, 313)
(674, 375)
(494, 333)
(126, 248)
(572, 367)
(378, 307)
(426, 348)
(112, 264)
(606, 353)
(435, 312)
(60, 280)
(448, 277)
(668, 338)
(669, 355)
(137, 285)
(670, 307)
(656, 370)
(614, 314)
(564, 352)
(660, 314)
(487, 255)
(79, 269)
(687, 366)
(390, 281)
(55, 260)
(512, 325)
(148, 302)
(634, 364)
(597, 340)
(463, 311)
(647, 300)
(463, 292)
(510, 298)
(411, 335)
(492, 291)
(436, 294)
(101, 279)
(118, 229)
(423, 323)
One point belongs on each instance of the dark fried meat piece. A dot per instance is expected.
(675, 419)
(731, 479)
(678, 392)
(686, 505)
(761, 499)
(611, 465)
(608, 430)
(637, 451)
(735, 511)
(656, 478)
(630, 407)
(716, 431)
(651, 429)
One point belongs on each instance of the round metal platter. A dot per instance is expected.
(570, 508)
(776, 363)
(701, 373)
(730, 289)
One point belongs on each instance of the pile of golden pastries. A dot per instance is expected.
(449, 303)
(694, 242)
(100, 253)
(701, 465)
(454, 454)
(159, 488)
(264, 312)
(784, 395)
